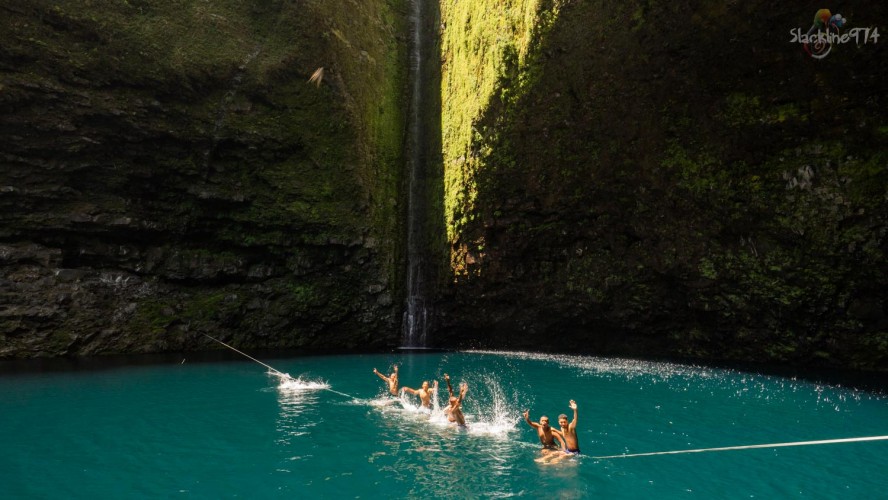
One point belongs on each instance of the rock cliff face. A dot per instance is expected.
(167, 170)
(666, 178)
(644, 178)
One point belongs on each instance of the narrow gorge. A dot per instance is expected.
(641, 178)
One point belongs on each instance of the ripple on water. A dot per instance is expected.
(224, 429)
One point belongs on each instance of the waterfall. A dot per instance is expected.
(415, 324)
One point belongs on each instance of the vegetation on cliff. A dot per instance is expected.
(659, 178)
(167, 169)
(645, 178)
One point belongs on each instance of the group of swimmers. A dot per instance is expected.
(566, 436)
(454, 408)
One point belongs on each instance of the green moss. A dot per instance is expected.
(199, 118)
(152, 318)
(700, 173)
(644, 186)
(707, 269)
(741, 110)
(495, 45)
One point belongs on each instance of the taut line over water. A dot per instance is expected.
(282, 375)
(749, 447)
(275, 370)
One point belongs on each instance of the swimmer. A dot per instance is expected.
(424, 393)
(392, 380)
(569, 431)
(454, 411)
(547, 434)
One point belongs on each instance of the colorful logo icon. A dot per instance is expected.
(826, 31)
(819, 43)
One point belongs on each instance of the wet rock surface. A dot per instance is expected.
(167, 171)
(666, 178)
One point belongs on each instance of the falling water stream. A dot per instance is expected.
(415, 325)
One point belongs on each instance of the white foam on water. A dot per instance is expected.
(380, 402)
(289, 383)
(681, 377)
(409, 406)
(487, 409)
(497, 415)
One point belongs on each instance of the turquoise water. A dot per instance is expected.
(230, 430)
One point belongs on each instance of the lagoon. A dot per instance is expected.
(231, 430)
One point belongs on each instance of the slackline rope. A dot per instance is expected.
(251, 357)
(340, 393)
(273, 369)
(748, 447)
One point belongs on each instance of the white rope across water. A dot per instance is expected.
(752, 446)
(273, 369)
(340, 393)
(283, 376)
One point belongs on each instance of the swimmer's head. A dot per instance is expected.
(562, 420)
(425, 384)
(544, 421)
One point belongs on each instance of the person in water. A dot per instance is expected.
(547, 434)
(569, 431)
(391, 380)
(454, 410)
(424, 393)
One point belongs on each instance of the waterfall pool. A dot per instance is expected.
(231, 430)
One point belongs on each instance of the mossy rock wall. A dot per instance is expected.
(666, 178)
(167, 170)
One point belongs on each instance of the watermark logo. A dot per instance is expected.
(826, 31)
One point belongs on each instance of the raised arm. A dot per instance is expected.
(411, 391)
(573, 406)
(527, 419)
(383, 377)
(463, 389)
(449, 387)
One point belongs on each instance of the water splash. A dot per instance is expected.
(288, 383)
(497, 414)
(489, 411)
(410, 403)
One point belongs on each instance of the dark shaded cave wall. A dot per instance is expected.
(666, 179)
(166, 170)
